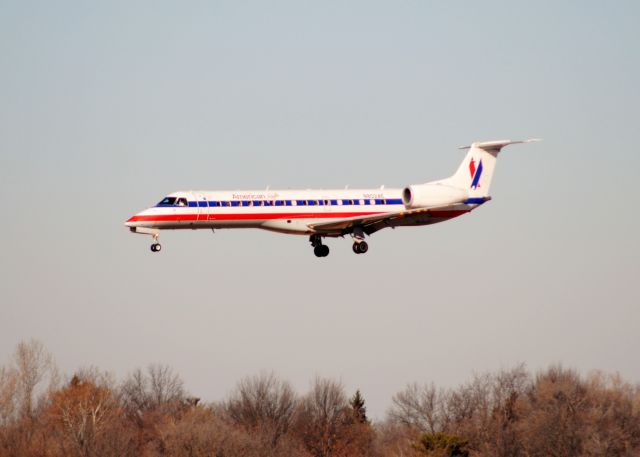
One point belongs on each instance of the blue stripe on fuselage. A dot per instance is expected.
(476, 200)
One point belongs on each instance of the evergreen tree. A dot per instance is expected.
(442, 444)
(359, 410)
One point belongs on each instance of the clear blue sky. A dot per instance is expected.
(105, 107)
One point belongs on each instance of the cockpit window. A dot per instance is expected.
(182, 202)
(167, 201)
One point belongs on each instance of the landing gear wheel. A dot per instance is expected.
(156, 247)
(361, 247)
(321, 250)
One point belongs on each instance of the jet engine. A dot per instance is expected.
(431, 195)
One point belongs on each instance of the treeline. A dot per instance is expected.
(556, 412)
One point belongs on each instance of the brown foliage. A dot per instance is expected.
(263, 404)
(510, 414)
(85, 419)
(507, 414)
(326, 425)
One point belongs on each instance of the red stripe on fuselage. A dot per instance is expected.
(448, 214)
(242, 217)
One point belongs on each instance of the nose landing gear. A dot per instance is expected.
(156, 247)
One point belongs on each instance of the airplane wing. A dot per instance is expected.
(371, 223)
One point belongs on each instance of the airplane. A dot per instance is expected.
(323, 214)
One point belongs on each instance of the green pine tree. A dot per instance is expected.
(442, 444)
(359, 410)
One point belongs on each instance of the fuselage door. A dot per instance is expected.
(203, 207)
(181, 209)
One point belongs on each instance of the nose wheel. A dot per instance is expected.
(156, 247)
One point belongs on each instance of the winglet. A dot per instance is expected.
(498, 144)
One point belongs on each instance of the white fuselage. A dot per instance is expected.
(286, 211)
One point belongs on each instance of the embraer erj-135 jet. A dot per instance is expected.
(329, 213)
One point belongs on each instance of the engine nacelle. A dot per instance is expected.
(430, 195)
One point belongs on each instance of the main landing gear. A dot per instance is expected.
(360, 247)
(319, 249)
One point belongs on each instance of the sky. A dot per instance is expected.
(105, 107)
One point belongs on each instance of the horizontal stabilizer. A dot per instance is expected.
(498, 144)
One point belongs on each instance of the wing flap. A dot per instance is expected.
(378, 221)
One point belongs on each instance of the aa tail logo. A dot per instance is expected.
(475, 173)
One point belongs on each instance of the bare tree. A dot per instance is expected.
(159, 388)
(151, 399)
(555, 424)
(482, 411)
(419, 407)
(613, 416)
(509, 391)
(265, 403)
(86, 416)
(33, 365)
(326, 424)
(203, 432)
(165, 386)
(8, 395)
(320, 416)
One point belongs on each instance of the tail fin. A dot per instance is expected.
(476, 170)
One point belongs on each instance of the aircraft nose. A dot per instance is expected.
(131, 222)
